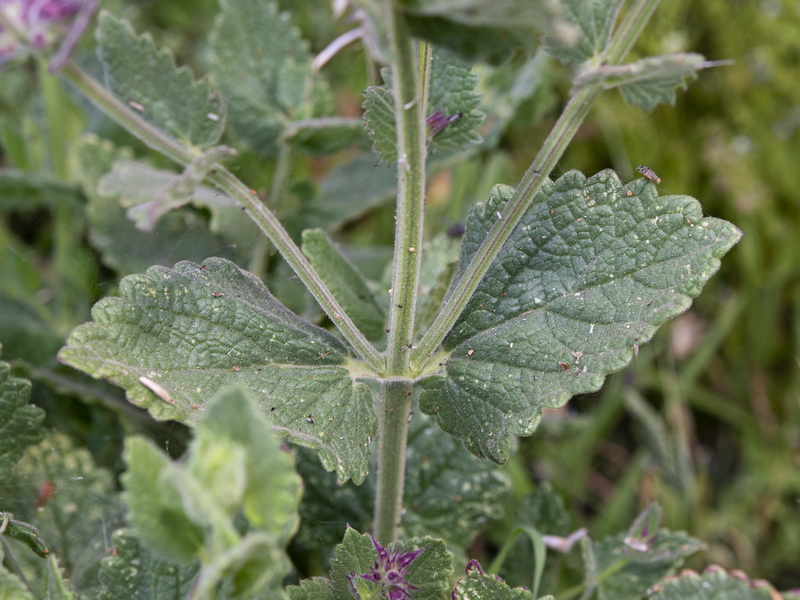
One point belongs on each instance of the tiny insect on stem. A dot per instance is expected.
(648, 173)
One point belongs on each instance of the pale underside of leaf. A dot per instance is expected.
(590, 273)
(177, 336)
(650, 81)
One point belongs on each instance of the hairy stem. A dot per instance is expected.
(409, 110)
(395, 407)
(409, 79)
(232, 186)
(554, 146)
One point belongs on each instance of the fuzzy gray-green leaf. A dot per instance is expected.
(591, 272)
(149, 194)
(647, 82)
(272, 489)
(147, 80)
(177, 336)
(181, 235)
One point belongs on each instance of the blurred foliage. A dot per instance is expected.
(725, 378)
(706, 421)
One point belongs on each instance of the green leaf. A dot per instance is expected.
(346, 282)
(193, 509)
(154, 495)
(647, 82)
(438, 269)
(149, 194)
(20, 422)
(181, 190)
(583, 29)
(347, 192)
(135, 573)
(182, 234)
(628, 564)
(380, 121)
(713, 584)
(254, 567)
(448, 494)
(263, 68)
(317, 588)
(58, 586)
(452, 92)
(177, 336)
(477, 585)
(272, 488)
(147, 80)
(431, 302)
(11, 586)
(354, 556)
(591, 271)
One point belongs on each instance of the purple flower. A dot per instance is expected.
(390, 571)
(32, 25)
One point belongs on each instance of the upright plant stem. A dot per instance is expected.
(409, 80)
(228, 183)
(409, 110)
(395, 403)
(554, 146)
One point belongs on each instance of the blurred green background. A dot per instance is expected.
(707, 418)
